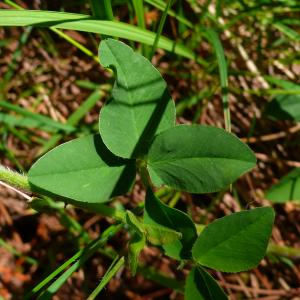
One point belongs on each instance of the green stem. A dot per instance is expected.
(108, 10)
(105, 210)
(14, 179)
(290, 252)
(161, 6)
(111, 272)
(140, 15)
(102, 9)
(175, 199)
(76, 44)
(9, 248)
(20, 181)
(97, 9)
(12, 4)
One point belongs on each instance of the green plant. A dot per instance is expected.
(285, 106)
(138, 133)
(287, 189)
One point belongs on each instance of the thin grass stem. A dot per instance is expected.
(160, 28)
(111, 272)
(217, 45)
(78, 45)
(76, 260)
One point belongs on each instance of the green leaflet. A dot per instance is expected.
(159, 214)
(287, 189)
(83, 170)
(285, 106)
(45, 205)
(198, 159)
(236, 242)
(200, 285)
(159, 235)
(154, 233)
(80, 22)
(140, 106)
(285, 84)
(133, 222)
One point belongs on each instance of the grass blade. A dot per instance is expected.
(139, 11)
(289, 32)
(44, 282)
(102, 9)
(27, 122)
(150, 273)
(160, 28)
(76, 44)
(216, 43)
(78, 259)
(108, 9)
(14, 61)
(112, 270)
(97, 9)
(38, 119)
(16, 253)
(86, 23)
(162, 6)
(140, 15)
(61, 34)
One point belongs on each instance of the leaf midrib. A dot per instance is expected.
(74, 171)
(132, 111)
(166, 161)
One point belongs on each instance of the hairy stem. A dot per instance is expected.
(20, 181)
(14, 179)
